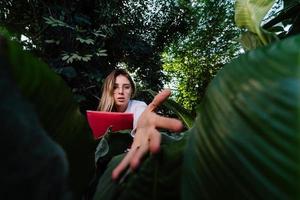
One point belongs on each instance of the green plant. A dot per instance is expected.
(42, 107)
(244, 143)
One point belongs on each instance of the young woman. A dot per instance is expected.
(118, 90)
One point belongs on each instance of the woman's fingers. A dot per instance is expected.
(171, 124)
(154, 141)
(159, 99)
(138, 154)
(123, 164)
(147, 136)
(139, 148)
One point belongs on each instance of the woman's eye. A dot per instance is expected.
(127, 87)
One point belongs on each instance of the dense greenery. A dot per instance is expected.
(244, 143)
(194, 59)
(245, 140)
(84, 40)
(37, 109)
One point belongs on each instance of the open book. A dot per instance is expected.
(100, 121)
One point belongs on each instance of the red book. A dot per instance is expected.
(100, 121)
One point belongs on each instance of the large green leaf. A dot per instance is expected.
(250, 13)
(245, 143)
(32, 165)
(57, 112)
(157, 178)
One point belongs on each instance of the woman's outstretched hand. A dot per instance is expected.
(147, 137)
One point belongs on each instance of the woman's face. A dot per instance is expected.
(122, 93)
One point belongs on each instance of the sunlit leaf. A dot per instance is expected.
(250, 13)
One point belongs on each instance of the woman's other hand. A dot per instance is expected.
(147, 137)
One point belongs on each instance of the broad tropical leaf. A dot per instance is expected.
(245, 143)
(157, 178)
(33, 166)
(250, 13)
(56, 110)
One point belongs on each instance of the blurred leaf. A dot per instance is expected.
(57, 111)
(32, 163)
(245, 143)
(250, 41)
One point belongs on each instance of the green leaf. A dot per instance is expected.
(55, 22)
(245, 143)
(106, 188)
(87, 57)
(157, 178)
(250, 41)
(183, 114)
(57, 112)
(250, 13)
(101, 52)
(31, 161)
(65, 57)
(85, 41)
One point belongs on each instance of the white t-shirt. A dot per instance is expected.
(135, 107)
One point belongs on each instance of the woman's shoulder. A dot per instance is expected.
(135, 105)
(137, 102)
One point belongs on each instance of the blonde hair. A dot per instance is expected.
(106, 102)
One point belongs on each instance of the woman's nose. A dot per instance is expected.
(121, 90)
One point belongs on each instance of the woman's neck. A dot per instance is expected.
(121, 108)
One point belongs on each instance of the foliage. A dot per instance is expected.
(31, 162)
(194, 59)
(52, 113)
(250, 14)
(245, 142)
(84, 40)
(278, 25)
(157, 178)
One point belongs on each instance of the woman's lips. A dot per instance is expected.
(121, 99)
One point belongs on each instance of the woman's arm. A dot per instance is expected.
(147, 137)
